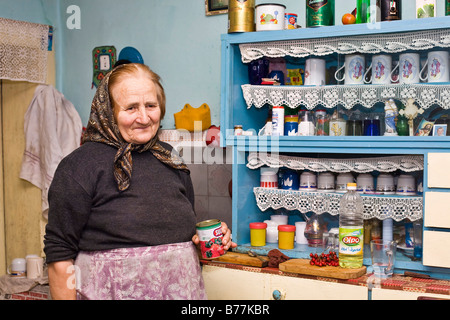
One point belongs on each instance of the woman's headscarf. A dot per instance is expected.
(103, 128)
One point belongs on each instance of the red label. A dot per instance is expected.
(350, 240)
(217, 232)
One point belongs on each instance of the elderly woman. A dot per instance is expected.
(121, 207)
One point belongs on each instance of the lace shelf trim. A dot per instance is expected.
(378, 43)
(381, 207)
(348, 96)
(409, 163)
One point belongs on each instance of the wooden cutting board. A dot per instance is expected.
(302, 266)
(242, 258)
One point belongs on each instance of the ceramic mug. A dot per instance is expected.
(315, 72)
(269, 179)
(342, 180)
(438, 64)
(406, 185)
(290, 180)
(35, 267)
(381, 67)
(308, 181)
(364, 183)
(325, 182)
(409, 72)
(355, 65)
(18, 268)
(385, 184)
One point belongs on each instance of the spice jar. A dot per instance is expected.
(258, 234)
(286, 235)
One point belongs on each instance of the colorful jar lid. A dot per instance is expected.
(291, 118)
(286, 228)
(258, 225)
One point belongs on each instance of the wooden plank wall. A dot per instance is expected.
(21, 223)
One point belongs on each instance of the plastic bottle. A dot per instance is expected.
(351, 229)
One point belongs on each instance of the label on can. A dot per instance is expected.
(319, 13)
(278, 120)
(210, 235)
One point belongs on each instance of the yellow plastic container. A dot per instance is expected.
(286, 235)
(258, 234)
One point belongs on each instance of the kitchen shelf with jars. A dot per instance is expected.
(261, 150)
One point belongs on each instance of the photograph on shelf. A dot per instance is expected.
(440, 130)
(213, 7)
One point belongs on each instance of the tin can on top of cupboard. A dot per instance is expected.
(210, 235)
(319, 13)
(241, 16)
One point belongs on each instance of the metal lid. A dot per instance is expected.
(208, 223)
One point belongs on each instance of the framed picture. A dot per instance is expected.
(424, 128)
(213, 7)
(440, 130)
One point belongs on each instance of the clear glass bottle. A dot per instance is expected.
(351, 229)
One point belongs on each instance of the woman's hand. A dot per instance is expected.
(226, 241)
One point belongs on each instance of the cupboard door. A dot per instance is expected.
(309, 289)
(232, 284)
(438, 177)
(437, 209)
(387, 294)
(435, 249)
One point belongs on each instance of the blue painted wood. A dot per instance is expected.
(234, 111)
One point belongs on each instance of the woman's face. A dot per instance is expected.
(136, 108)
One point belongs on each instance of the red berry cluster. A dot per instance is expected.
(325, 259)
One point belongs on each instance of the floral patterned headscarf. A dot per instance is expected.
(102, 127)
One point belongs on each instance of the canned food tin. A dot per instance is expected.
(319, 13)
(210, 235)
(290, 21)
(241, 16)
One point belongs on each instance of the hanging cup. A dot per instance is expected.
(438, 67)
(409, 72)
(354, 65)
(381, 67)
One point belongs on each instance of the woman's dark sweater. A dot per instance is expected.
(87, 212)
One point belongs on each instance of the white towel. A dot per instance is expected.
(53, 129)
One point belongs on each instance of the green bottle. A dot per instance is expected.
(447, 7)
(362, 11)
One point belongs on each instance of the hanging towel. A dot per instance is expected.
(53, 129)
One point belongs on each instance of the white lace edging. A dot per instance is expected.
(382, 207)
(23, 51)
(406, 163)
(378, 43)
(348, 96)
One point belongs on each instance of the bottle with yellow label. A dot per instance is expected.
(351, 229)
